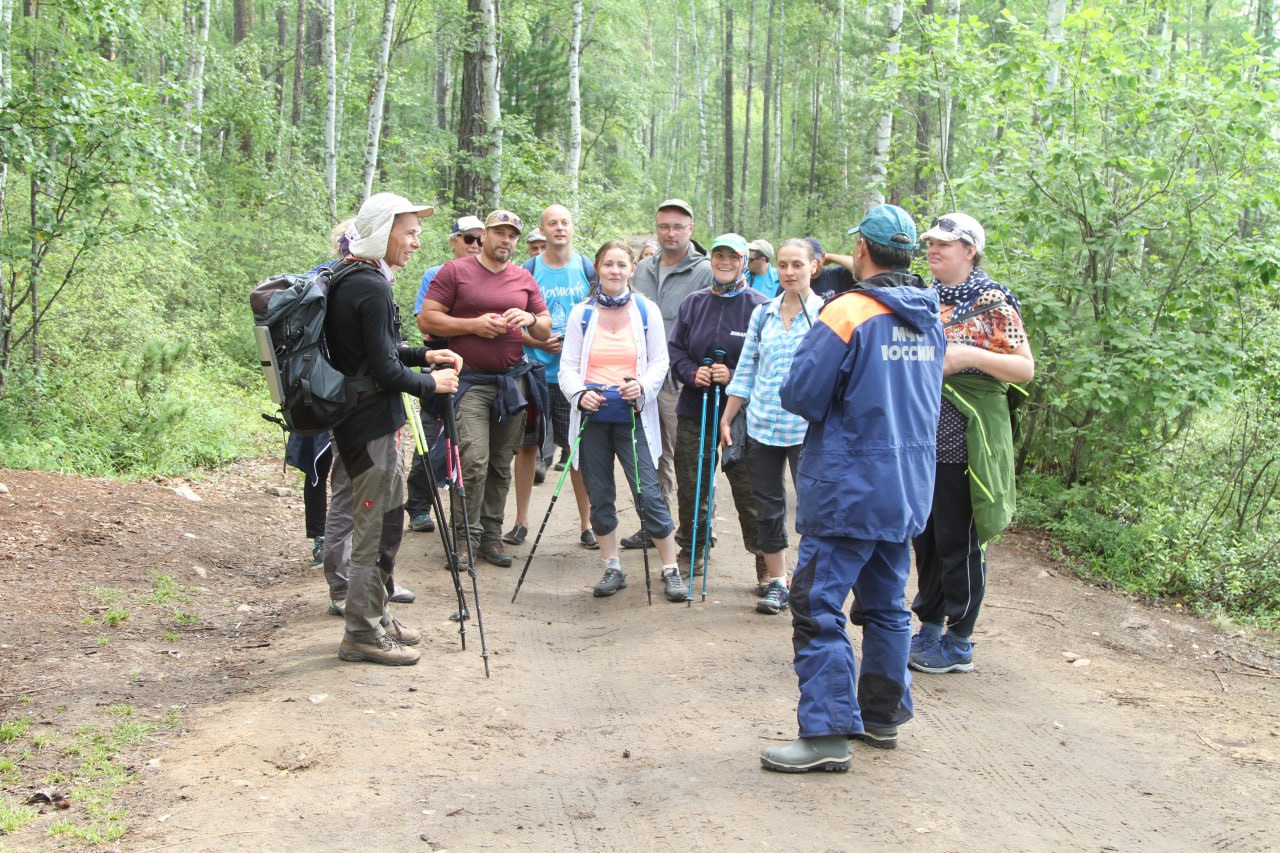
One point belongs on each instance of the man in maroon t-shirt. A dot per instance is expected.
(480, 303)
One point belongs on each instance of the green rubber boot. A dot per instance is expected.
(808, 753)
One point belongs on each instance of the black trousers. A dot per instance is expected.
(315, 498)
(767, 467)
(951, 568)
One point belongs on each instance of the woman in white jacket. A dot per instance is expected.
(612, 366)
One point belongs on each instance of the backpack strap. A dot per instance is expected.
(640, 303)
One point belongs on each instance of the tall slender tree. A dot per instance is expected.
(766, 120)
(573, 160)
(730, 214)
(330, 51)
(884, 129)
(478, 178)
(746, 113)
(194, 106)
(373, 133)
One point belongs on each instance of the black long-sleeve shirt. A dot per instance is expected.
(362, 329)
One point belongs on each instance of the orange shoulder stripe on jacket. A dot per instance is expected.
(850, 311)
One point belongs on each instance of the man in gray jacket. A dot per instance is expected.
(666, 278)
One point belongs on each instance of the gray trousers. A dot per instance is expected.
(363, 532)
(601, 444)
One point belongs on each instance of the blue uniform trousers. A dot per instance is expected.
(834, 698)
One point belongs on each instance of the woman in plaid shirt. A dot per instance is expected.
(774, 435)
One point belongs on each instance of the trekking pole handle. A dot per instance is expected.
(636, 405)
(719, 357)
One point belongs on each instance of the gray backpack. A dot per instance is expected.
(289, 312)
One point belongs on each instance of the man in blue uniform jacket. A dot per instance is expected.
(868, 379)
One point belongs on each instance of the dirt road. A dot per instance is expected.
(1092, 723)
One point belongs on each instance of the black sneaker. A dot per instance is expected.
(540, 471)
(564, 459)
(588, 540)
(673, 586)
(636, 541)
(516, 535)
(422, 523)
(612, 581)
(317, 552)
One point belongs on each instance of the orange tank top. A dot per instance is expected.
(612, 357)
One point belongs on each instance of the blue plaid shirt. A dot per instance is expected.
(764, 364)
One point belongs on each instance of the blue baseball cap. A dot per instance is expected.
(733, 242)
(888, 225)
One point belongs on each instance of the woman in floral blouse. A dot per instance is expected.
(987, 350)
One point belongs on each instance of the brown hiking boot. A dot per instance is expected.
(385, 651)
(403, 634)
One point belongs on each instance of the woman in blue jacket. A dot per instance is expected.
(710, 321)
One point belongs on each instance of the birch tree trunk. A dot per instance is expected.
(1055, 13)
(730, 213)
(947, 124)
(191, 117)
(766, 119)
(346, 71)
(444, 81)
(746, 117)
(492, 106)
(330, 49)
(842, 128)
(373, 133)
(884, 129)
(574, 159)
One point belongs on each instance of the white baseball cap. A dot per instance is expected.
(957, 226)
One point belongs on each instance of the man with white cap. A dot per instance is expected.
(465, 235)
(481, 304)
(761, 275)
(536, 242)
(362, 327)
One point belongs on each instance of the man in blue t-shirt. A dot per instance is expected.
(760, 275)
(564, 277)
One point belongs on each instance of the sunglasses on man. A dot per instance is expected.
(470, 239)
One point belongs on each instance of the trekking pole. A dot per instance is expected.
(460, 489)
(644, 534)
(450, 552)
(697, 492)
(711, 487)
(568, 466)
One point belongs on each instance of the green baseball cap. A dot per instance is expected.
(888, 225)
(733, 242)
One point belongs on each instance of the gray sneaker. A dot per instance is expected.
(337, 606)
(400, 595)
(612, 581)
(775, 600)
(674, 587)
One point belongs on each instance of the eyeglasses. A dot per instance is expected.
(754, 258)
(950, 226)
(667, 228)
(470, 239)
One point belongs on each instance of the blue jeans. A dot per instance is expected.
(832, 702)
